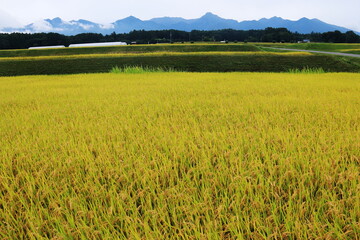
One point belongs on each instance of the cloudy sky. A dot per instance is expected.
(20, 12)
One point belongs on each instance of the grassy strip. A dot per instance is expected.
(330, 47)
(139, 69)
(307, 70)
(353, 51)
(157, 54)
(180, 62)
(131, 49)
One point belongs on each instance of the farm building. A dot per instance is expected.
(98, 44)
(59, 46)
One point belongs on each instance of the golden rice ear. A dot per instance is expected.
(179, 155)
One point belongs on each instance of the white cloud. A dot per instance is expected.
(69, 22)
(43, 26)
(8, 21)
(107, 26)
(85, 26)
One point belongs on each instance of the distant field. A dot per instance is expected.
(354, 51)
(180, 156)
(131, 49)
(181, 61)
(198, 57)
(331, 47)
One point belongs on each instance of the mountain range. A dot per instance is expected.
(209, 21)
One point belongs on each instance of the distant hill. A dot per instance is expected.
(209, 21)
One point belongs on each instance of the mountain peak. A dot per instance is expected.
(168, 20)
(83, 21)
(304, 19)
(276, 18)
(209, 21)
(131, 17)
(210, 15)
(128, 20)
(56, 20)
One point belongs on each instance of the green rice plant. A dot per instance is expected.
(331, 47)
(140, 69)
(198, 47)
(307, 70)
(154, 54)
(170, 61)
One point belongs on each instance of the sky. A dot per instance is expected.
(15, 13)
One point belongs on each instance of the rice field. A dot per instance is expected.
(353, 51)
(180, 156)
(180, 61)
(331, 47)
(156, 54)
(199, 57)
(145, 48)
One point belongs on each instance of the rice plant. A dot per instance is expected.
(180, 156)
(307, 70)
(140, 69)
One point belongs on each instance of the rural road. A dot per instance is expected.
(312, 51)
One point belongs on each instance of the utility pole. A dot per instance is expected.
(170, 37)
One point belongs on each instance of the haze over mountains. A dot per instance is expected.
(209, 21)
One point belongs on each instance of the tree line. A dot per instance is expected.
(26, 40)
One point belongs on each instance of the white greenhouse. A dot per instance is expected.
(98, 44)
(42, 47)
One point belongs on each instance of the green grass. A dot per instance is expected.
(193, 62)
(139, 69)
(353, 51)
(130, 49)
(267, 48)
(180, 156)
(307, 70)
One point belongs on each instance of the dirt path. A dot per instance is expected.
(313, 51)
